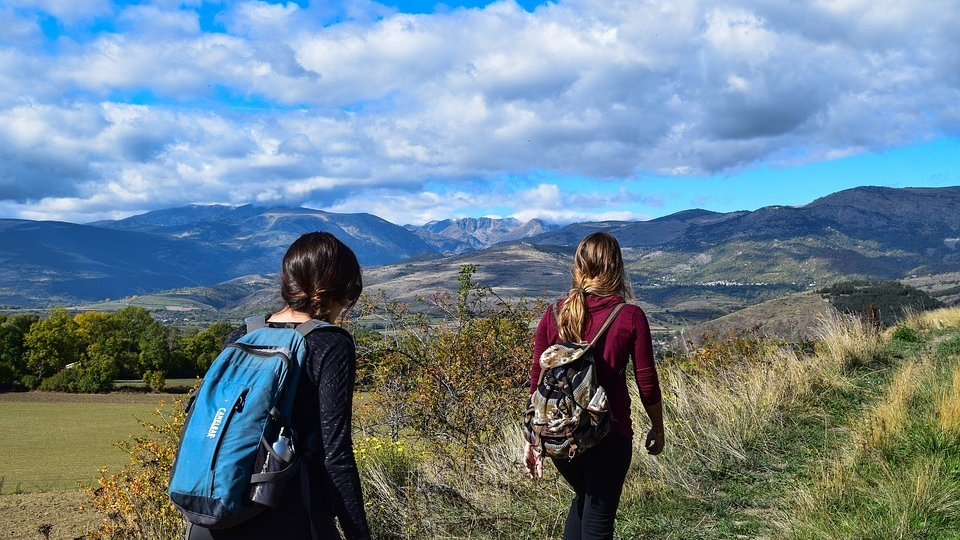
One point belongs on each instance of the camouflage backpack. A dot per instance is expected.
(568, 413)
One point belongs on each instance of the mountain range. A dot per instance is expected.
(692, 263)
(47, 262)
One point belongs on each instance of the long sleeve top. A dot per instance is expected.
(628, 337)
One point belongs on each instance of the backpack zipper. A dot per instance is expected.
(269, 351)
(236, 408)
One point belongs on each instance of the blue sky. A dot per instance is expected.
(566, 111)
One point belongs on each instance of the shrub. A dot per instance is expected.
(906, 333)
(87, 377)
(133, 503)
(155, 381)
(717, 351)
(949, 346)
(450, 375)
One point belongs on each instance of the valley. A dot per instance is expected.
(195, 265)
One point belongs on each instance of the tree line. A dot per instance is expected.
(885, 303)
(87, 352)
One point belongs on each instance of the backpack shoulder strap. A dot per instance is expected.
(306, 327)
(606, 323)
(255, 322)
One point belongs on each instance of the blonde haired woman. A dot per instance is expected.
(599, 284)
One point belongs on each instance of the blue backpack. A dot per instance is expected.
(237, 448)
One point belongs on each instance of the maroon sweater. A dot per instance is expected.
(628, 337)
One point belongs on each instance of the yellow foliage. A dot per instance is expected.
(133, 503)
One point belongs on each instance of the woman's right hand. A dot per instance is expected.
(654, 442)
(532, 462)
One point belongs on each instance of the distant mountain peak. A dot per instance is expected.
(460, 235)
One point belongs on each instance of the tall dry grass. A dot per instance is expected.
(411, 495)
(714, 420)
(844, 341)
(913, 501)
(936, 319)
(717, 418)
(948, 407)
(891, 417)
(896, 477)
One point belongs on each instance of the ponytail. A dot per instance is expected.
(597, 270)
(572, 314)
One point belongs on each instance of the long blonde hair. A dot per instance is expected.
(597, 270)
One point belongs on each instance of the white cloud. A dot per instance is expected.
(358, 115)
(67, 11)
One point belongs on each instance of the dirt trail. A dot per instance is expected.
(22, 516)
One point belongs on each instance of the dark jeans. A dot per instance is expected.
(597, 478)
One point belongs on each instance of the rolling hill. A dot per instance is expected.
(692, 265)
(870, 232)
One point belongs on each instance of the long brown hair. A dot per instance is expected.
(597, 270)
(318, 269)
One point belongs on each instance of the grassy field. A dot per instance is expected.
(54, 441)
(860, 441)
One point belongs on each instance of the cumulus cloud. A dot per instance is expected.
(357, 107)
(65, 11)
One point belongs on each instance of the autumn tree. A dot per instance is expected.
(198, 350)
(454, 372)
(51, 344)
(13, 328)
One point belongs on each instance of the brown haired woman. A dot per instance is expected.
(320, 279)
(599, 284)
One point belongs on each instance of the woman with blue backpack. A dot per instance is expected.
(583, 421)
(320, 280)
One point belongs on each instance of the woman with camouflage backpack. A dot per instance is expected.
(600, 287)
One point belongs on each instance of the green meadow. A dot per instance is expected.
(55, 441)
